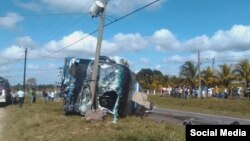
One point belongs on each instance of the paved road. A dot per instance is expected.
(197, 118)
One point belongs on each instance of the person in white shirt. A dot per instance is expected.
(20, 94)
(210, 92)
(13, 97)
(203, 93)
(52, 96)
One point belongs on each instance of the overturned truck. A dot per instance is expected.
(118, 92)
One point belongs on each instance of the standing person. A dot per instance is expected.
(203, 91)
(31, 94)
(49, 95)
(210, 92)
(238, 93)
(216, 90)
(45, 95)
(13, 97)
(20, 94)
(186, 91)
(196, 92)
(34, 95)
(52, 95)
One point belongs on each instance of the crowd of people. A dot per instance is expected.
(204, 92)
(18, 96)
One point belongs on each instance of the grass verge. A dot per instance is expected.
(46, 122)
(224, 107)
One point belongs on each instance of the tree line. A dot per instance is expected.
(227, 75)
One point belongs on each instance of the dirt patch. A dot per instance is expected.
(2, 114)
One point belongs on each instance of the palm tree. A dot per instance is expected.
(173, 80)
(157, 79)
(208, 76)
(144, 77)
(242, 70)
(189, 72)
(225, 75)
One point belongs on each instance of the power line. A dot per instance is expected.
(46, 14)
(5, 61)
(56, 18)
(118, 19)
(68, 24)
(93, 32)
(69, 45)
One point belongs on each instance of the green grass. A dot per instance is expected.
(225, 107)
(46, 122)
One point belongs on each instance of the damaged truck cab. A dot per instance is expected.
(118, 92)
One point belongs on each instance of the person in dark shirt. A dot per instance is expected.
(45, 95)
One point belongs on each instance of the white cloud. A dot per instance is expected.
(10, 20)
(158, 67)
(225, 57)
(42, 67)
(86, 47)
(114, 7)
(120, 7)
(174, 59)
(3, 69)
(206, 58)
(163, 39)
(72, 45)
(68, 6)
(144, 61)
(25, 42)
(237, 38)
(196, 44)
(32, 6)
(13, 52)
(130, 42)
(33, 67)
(234, 43)
(46, 73)
(69, 45)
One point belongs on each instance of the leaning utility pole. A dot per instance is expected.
(24, 72)
(97, 56)
(199, 71)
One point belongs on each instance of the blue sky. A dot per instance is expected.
(162, 36)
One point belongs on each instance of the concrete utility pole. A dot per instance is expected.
(199, 71)
(97, 55)
(24, 72)
(213, 63)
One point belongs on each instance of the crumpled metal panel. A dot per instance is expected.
(115, 88)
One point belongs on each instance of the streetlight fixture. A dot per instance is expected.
(98, 8)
